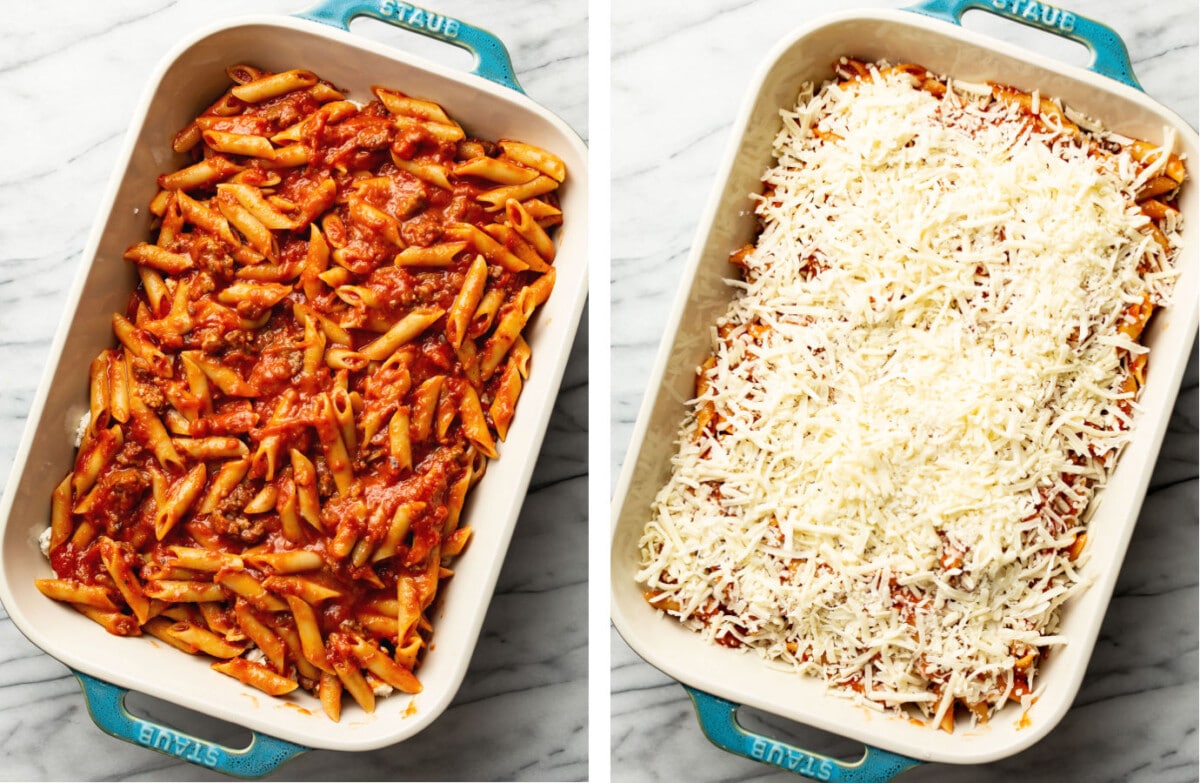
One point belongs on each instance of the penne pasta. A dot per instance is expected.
(147, 428)
(308, 500)
(228, 476)
(155, 257)
(504, 402)
(516, 244)
(204, 174)
(399, 103)
(329, 691)
(373, 659)
(437, 255)
(466, 302)
(312, 592)
(200, 559)
(116, 559)
(95, 454)
(264, 638)
(432, 173)
(297, 399)
(401, 523)
(287, 506)
(61, 524)
(399, 437)
(311, 642)
(194, 639)
(178, 591)
(496, 198)
(257, 675)
(273, 85)
(524, 224)
(248, 225)
(239, 144)
(405, 330)
(497, 170)
(75, 593)
(482, 242)
(535, 158)
(214, 448)
(288, 562)
(245, 585)
(116, 623)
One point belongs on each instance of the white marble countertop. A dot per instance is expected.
(676, 89)
(71, 73)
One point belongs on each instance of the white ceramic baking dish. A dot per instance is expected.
(721, 679)
(188, 79)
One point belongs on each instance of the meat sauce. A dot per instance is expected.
(262, 340)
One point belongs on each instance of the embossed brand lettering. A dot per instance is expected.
(759, 748)
(181, 746)
(791, 759)
(194, 754)
(1042, 13)
(419, 17)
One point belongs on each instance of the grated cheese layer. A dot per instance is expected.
(922, 382)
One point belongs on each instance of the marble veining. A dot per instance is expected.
(72, 73)
(1135, 716)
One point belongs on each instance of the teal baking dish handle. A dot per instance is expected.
(718, 718)
(1110, 57)
(106, 704)
(491, 57)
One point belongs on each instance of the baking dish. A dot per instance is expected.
(720, 679)
(185, 82)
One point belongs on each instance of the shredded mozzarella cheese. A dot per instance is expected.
(914, 396)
